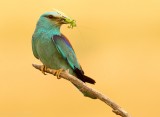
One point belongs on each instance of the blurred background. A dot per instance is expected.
(117, 43)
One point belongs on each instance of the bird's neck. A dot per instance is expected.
(48, 28)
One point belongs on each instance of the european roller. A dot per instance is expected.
(53, 49)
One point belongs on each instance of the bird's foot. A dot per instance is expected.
(58, 72)
(67, 71)
(43, 69)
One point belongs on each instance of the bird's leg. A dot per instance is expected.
(43, 69)
(58, 72)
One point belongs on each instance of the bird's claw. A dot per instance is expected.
(58, 72)
(43, 69)
(67, 71)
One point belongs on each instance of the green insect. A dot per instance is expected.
(72, 23)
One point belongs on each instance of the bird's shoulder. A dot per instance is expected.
(62, 38)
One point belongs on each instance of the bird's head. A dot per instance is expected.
(57, 18)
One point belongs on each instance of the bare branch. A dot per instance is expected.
(87, 91)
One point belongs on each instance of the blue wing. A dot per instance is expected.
(65, 48)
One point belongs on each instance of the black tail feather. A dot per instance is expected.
(88, 79)
(82, 77)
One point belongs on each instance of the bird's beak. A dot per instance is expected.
(67, 20)
(64, 19)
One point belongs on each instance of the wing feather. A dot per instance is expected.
(66, 50)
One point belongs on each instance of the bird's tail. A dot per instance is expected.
(88, 79)
(82, 77)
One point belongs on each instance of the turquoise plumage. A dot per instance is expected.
(52, 48)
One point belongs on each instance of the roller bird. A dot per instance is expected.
(53, 49)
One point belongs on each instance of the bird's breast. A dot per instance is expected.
(49, 55)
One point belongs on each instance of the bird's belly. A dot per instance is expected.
(49, 55)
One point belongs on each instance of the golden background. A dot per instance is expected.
(116, 41)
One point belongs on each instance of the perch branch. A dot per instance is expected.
(87, 91)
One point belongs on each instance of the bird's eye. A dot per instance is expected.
(50, 16)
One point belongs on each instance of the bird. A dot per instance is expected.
(53, 48)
